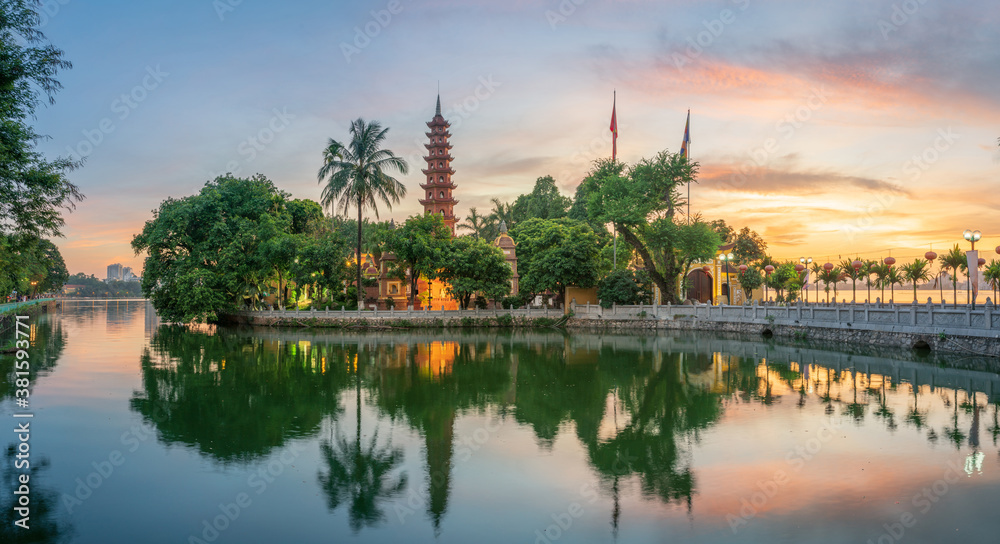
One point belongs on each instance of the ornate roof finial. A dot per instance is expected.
(438, 112)
(503, 227)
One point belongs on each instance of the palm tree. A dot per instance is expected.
(893, 278)
(502, 212)
(992, 276)
(954, 260)
(847, 266)
(356, 176)
(918, 270)
(881, 273)
(480, 225)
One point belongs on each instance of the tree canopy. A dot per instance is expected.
(474, 266)
(213, 252)
(421, 245)
(33, 189)
(641, 201)
(555, 253)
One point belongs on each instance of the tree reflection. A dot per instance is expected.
(362, 475)
(44, 526)
(47, 342)
(235, 398)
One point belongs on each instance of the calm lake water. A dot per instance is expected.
(145, 433)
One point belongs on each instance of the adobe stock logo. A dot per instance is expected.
(124, 105)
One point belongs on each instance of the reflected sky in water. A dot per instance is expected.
(152, 433)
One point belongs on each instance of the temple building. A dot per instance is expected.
(437, 197)
(439, 185)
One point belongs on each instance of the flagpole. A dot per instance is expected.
(688, 157)
(614, 157)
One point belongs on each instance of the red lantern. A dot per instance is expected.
(743, 268)
(707, 268)
(930, 255)
(857, 265)
(768, 269)
(998, 249)
(982, 261)
(889, 261)
(828, 266)
(800, 267)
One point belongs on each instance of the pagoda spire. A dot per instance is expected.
(439, 185)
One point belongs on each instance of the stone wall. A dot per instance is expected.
(959, 343)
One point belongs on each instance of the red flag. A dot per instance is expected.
(614, 128)
(687, 137)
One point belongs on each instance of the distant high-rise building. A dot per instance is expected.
(115, 272)
(127, 274)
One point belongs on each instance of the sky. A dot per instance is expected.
(833, 129)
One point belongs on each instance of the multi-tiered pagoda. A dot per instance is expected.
(439, 186)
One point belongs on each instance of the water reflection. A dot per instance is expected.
(638, 406)
(47, 342)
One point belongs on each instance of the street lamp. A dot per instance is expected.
(727, 258)
(767, 272)
(805, 262)
(972, 236)
(930, 256)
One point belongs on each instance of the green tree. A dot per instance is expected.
(725, 232)
(917, 271)
(847, 268)
(881, 273)
(474, 266)
(786, 282)
(992, 276)
(624, 286)
(750, 280)
(641, 202)
(955, 261)
(208, 252)
(33, 189)
(554, 254)
(545, 201)
(748, 246)
(321, 261)
(893, 278)
(421, 245)
(357, 175)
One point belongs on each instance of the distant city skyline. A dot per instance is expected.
(830, 129)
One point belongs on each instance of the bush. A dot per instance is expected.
(390, 303)
(482, 302)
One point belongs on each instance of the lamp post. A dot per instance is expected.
(767, 272)
(972, 236)
(856, 264)
(930, 256)
(799, 268)
(727, 258)
(805, 262)
(889, 261)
